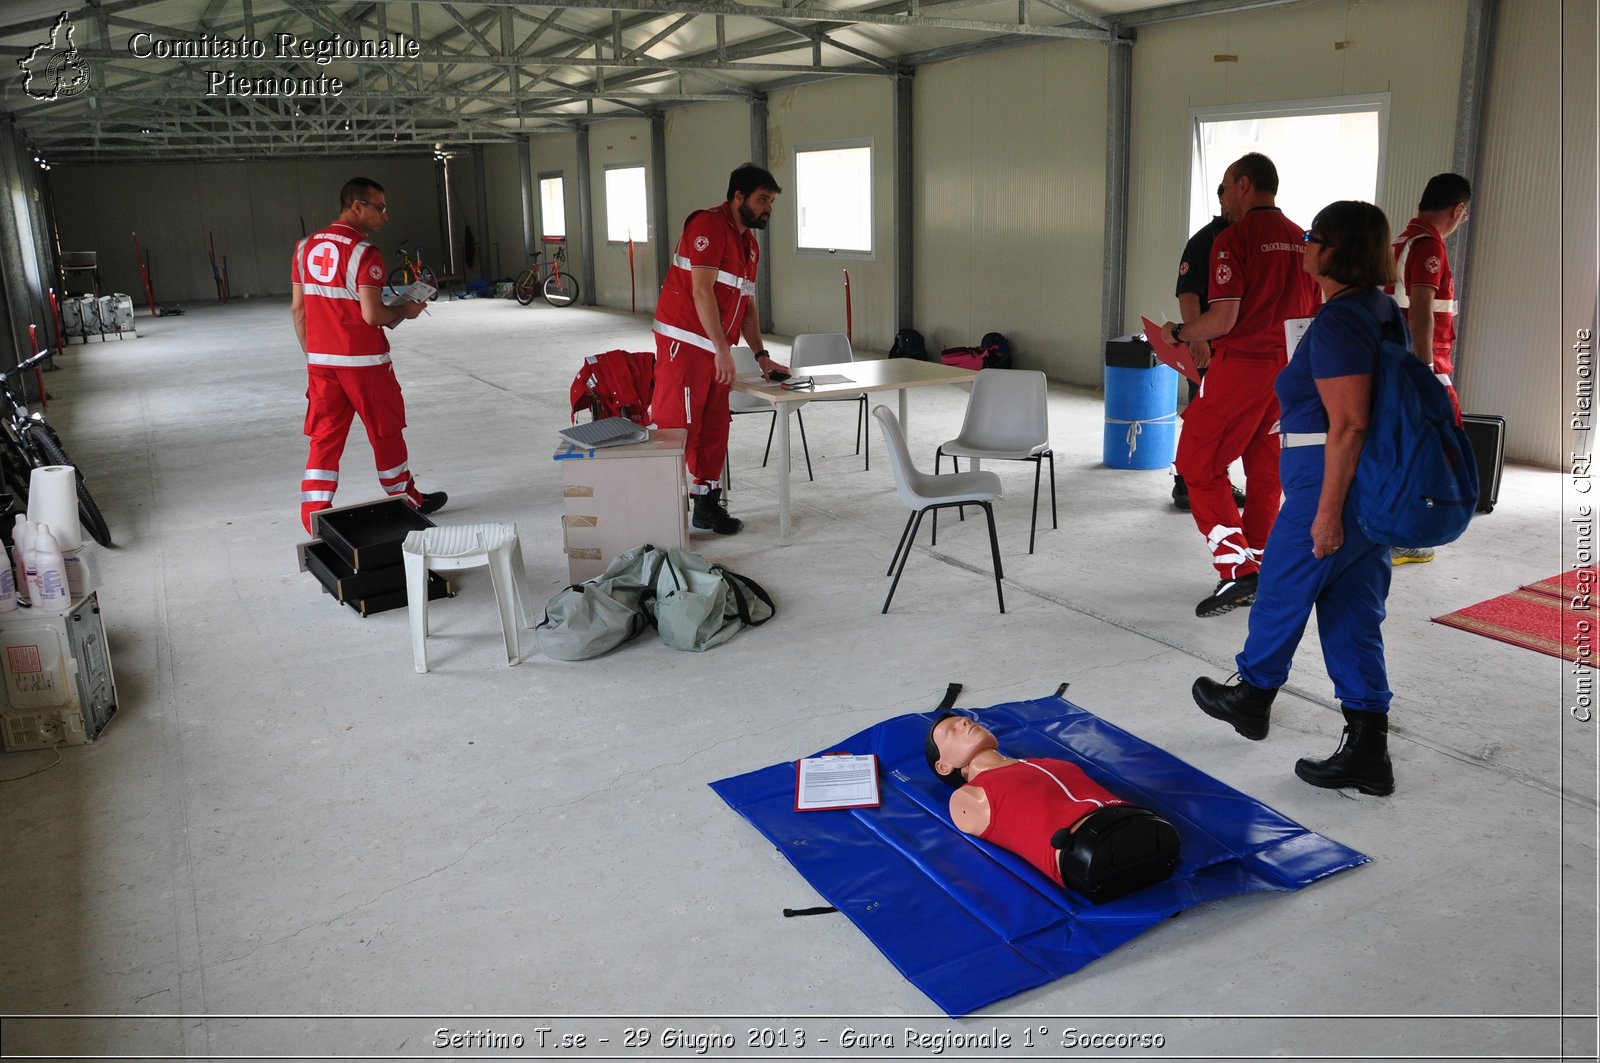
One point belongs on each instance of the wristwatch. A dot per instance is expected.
(762, 354)
(1177, 333)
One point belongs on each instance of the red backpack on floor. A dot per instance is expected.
(615, 384)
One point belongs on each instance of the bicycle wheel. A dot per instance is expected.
(399, 277)
(526, 289)
(560, 289)
(427, 276)
(53, 453)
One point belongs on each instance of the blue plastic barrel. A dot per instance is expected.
(1141, 417)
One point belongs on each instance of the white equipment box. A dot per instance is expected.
(621, 497)
(56, 686)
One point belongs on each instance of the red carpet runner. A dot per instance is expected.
(1555, 616)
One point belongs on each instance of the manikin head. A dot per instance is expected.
(1446, 202)
(1251, 181)
(752, 191)
(953, 742)
(363, 204)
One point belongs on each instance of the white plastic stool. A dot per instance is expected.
(452, 548)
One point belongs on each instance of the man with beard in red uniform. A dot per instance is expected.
(706, 301)
(339, 315)
(1426, 290)
(1256, 285)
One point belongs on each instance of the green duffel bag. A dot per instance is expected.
(594, 618)
(699, 605)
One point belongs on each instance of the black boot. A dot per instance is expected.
(1180, 493)
(1362, 759)
(711, 514)
(1248, 708)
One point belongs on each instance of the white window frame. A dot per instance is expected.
(867, 254)
(1203, 201)
(544, 215)
(644, 175)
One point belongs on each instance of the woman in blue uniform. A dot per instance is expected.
(1317, 557)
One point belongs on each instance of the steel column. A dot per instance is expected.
(758, 155)
(529, 218)
(1464, 154)
(585, 220)
(481, 186)
(904, 275)
(660, 239)
(1119, 102)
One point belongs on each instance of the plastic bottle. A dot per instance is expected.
(19, 550)
(8, 589)
(51, 589)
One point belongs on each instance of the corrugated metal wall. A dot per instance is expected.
(1009, 200)
(1513, 353)
(808, 289)
(254, 211)
(624, 142)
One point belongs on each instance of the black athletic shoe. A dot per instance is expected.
(1180, 493)
(1229, 595)
(1238, 496)
(432, 503)
(711, 514)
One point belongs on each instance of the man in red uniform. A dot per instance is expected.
(339, 315)
(1050, 813)
(1426, 291)
(1256, 285)
(706, 301)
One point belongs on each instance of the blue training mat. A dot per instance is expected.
(902, 869)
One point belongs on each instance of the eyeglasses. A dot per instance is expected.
(381, 208)
(1312, 238)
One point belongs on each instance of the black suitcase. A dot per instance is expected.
(1487, 434)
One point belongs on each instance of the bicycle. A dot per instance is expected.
(27, 442)
(559, 287)
(412, 270)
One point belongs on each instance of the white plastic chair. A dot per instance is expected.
(744, 364)
(829, 348)
(1008, 417)
(455, 547)
(922, 493)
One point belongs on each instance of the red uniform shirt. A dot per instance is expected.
(1032, 799)
(1420, 258)
(710, 238)
(331, 265)
(1256, 261)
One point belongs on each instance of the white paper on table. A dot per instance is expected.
(831, 378)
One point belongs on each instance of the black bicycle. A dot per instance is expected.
(27, 442)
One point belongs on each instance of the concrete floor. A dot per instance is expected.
(284, 819)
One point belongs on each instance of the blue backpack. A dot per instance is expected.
(1417, 481)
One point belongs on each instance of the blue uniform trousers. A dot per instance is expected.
(1348, 589)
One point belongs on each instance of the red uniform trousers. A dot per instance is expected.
(333, 396)
(687, 395)
(1236, 416)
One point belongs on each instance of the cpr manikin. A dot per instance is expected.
(1049, 813)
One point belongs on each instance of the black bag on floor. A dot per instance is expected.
(1487, 434)
(908, 343)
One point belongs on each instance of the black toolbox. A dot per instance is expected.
(358, 559)
(368, 534)
(1487, 434)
